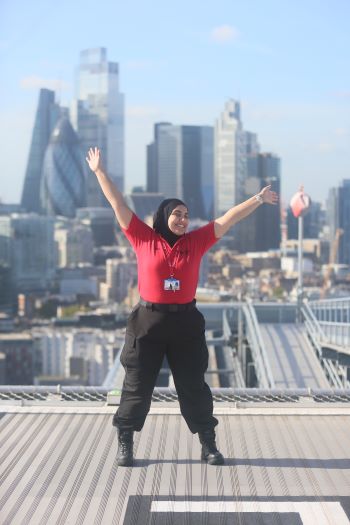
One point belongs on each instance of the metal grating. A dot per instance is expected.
(169, 395)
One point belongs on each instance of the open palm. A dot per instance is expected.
(94, 159)
(269, 196)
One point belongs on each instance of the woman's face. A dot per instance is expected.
(178, 220)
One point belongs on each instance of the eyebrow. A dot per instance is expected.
(180, 212)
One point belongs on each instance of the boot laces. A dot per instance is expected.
(125, 447)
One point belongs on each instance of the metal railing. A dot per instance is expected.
(262, 366)
(333, 315)
(316, 335)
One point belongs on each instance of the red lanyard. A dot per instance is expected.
(172, 264)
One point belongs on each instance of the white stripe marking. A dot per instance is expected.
(310, 512)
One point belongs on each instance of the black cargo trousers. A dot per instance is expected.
(180, 336)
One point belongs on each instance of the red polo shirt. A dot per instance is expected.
(154, 255)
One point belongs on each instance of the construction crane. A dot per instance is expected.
(327, 280)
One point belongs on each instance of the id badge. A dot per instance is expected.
(171, 284)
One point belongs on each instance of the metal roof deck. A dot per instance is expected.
(287, 463)
(293, 361)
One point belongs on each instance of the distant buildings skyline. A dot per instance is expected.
(210, 167)
(57, 179)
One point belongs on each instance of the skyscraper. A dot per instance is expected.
(63, 179)
(338, 210)
(180, 164)
(98, 117)
(261, 231)
(47, 115)
(31, 253)
(229, 158)
(152, 159)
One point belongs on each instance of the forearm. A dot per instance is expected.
(115, 198)
(233, 215)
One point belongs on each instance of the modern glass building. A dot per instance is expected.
(144, 204)
(102, 223)
(63, 177)
(98, 117)
(180, 164)
(261, 231)
(338, 210)
(31, 250)
(230, 158)
(47, 115)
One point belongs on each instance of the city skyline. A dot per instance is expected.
(288, 66)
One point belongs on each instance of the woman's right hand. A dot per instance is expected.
(93, 159)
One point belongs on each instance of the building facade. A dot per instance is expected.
(338, 211)
(102, 223)
(261, 231)
(62, 188)
(180, 164)
(229, 158)
(47, 116)
(75, 245)
(98, 117)
(30, 252)
(20, 361)
(76, 353)
(120, 276)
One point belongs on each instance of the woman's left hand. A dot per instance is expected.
(269, 196)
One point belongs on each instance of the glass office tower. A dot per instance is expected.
(98, 117)
(230, 158)
(47, 115)
(180, 164)
(338, 211)
(261, 231)
(63, 180)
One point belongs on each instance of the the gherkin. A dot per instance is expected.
(63, 173)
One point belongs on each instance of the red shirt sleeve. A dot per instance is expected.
(137, 232)
(204, 237)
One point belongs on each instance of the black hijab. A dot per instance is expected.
(161, 217)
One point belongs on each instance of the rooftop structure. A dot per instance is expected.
(287, 459)
(286, 462)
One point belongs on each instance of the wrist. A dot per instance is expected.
(258, 198)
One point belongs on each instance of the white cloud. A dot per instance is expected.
(34, 82)
(325, 147)
(341, 132)
(342, 94)
(142, 111)
(223, 34)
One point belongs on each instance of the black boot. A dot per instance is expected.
(125, 446)
(210, 453)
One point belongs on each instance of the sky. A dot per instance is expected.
(286, 61)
